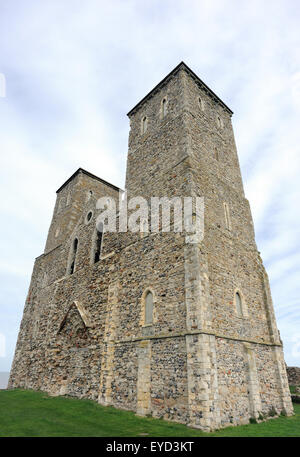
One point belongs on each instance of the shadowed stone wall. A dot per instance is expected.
(293, 376)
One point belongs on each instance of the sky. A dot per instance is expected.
(71, 70)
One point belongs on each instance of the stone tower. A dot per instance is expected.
(147, 321)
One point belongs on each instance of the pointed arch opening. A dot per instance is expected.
(149, 308)
(74, 327)
(238, 304)
(201, 103)
(144, 124)
(163, 107)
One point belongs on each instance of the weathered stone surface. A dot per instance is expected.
(200, 363)
(293, 375)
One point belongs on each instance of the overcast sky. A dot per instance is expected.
(73, 69)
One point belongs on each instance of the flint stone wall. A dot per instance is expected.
(293, 375)
(199, 363)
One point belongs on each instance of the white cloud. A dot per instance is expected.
(73, 69)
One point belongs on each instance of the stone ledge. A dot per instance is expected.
(183, 334)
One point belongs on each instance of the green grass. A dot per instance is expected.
(29, 413)
(293, 389)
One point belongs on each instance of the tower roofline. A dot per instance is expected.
(81, 170)
(180, 66)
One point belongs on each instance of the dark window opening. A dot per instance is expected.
(144, 125)
(98, 244)
(75, 245)
(74, 251)
(164, 107)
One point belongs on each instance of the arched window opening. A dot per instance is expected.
(99, 236)
(144, 124)
(164, 108)
(238, 304)
(73, 257)
(149, 308)
(201, 103)
(219, 122)
(89, 194)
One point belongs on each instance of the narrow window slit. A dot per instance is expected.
(73, 256)
(99, 236)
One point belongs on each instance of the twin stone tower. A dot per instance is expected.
(146, 321)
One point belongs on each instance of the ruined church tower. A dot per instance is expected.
(148, 321)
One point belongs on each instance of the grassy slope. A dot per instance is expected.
(293, 389)
(28, 413)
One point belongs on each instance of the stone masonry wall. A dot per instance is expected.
(200, 362)
(293, 374)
